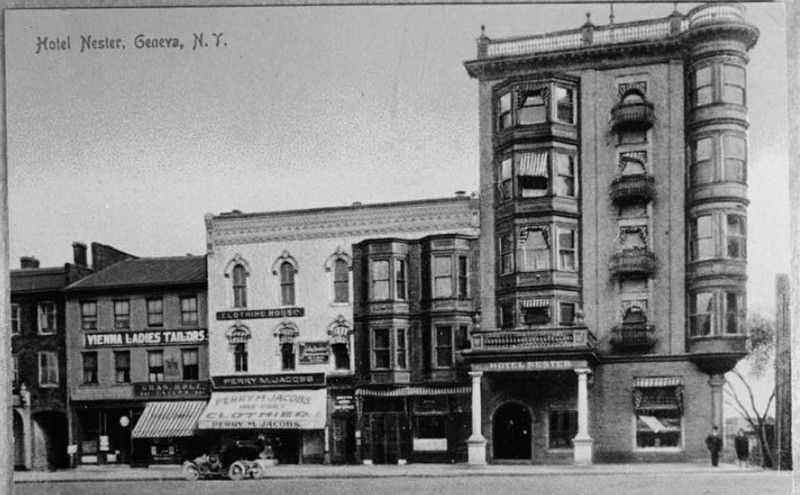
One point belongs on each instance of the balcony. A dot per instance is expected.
(633, 263)
(633, 189)
(717, 354)
(533, 340)
(636, 115)
(633, 337)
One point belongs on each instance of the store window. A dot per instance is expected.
(567, 249)
(288, 358)
(239, 286)
(189, 312)
(190, 364)
(155, 312)
(737, 236)
(48, 369)
(89, 367)
(443, 346)
(122, 366)
(47, 317)
(287, 284)
(15, 319)
(734, 314)
(341, 281)
(562, 427)
(533, 177)
(122, 314)
(155, 366)
(658, 413)
(240, 357)
(534, 249)
(701, 314)
(430, 433)
(702, 238)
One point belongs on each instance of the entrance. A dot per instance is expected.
(342, 439)
(385, 436)
(511, 432)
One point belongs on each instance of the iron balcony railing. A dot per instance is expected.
(532, 340)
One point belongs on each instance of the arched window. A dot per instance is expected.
(239, 287)
(287, 284)
(341, 281)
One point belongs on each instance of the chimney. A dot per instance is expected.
(461, 194)
(28, 262)
(79, 253)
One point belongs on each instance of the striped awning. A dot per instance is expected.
(535, 303)
(657, 381)
(168, 419)
(414, 391)
(533, 165)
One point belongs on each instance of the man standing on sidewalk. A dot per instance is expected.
(714, 444)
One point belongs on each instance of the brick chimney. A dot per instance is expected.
(28, 262)
(79, 253)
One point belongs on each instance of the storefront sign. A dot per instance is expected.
(344, 403)
(278, 409)
(252, 314)
(313, 352)
(148, 337)
(293, 380)
(170, 390)
(530, 366)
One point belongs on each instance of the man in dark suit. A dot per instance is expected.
(714, 444)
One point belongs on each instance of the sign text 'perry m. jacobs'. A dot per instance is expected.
(146, 337)
(288, 380)
(252, 314)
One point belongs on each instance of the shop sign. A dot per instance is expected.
(170, 390)
(288, 380)
(344, 403)
(530, 366)
(260, 410)
(143, 338)
(430, 404)
(313, 352)
(253, 314)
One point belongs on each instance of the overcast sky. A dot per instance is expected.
(297, 107)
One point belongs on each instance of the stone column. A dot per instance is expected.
(716, 382)
(583, 442)
(476, 442)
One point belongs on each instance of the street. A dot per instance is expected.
(723, 483)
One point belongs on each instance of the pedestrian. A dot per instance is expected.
(742, 446)
(714, 444)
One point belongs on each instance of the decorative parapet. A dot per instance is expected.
(633, 262)
(532, 340)
(633, 337)
(633, 189)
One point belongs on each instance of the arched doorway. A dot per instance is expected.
(19, 442)
(511, 432)
(50, 440)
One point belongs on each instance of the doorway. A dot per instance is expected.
(385, 438)
(511, 433)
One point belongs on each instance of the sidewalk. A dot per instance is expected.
(173, 472)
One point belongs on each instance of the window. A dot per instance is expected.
(734, 314)
(533, 177)
(240, 357)
(702, 164)
(506, 243)
(48, 369)
(733, 84)
(287, 356)
(504, 112)
(380, 348)
(443, 342)
(287, 284)
(341, 356)
(189, 310)
(155, 312)
(702, 238)
(190, 364)
(567, 249)
(562, 428)
(507, 315)
(701, 314)
(734, 150)
(239, 287)
(155, 366)
(534, 251)
(566, 314)
(505, 182)
(737, 237)
(380, 280)
(658, 417)
(531, 107)
(536, 312)
(401, 349)
(122, 366)
(633, 162)
(341, 281)
(431, 426)
(47, 317)
(633, 237)
(89, 367)
(15, 319)
(565, 105)
(122, 314)
(400, 279)
(463, 277)
(442, 277)
(702, 91)
(565, 170)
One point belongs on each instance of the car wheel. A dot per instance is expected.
(190, 471)
(256, 470)
(237, 471)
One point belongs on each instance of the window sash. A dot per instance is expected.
(380, 280)
(155, 312)
(506, 261)
(534, 253)
(381, 346)
(239, 287)
(122, 366)
(504, 111)
(736, 237)
(567, 249)
(89, 367)
(463, 277)
(702, 232)
(48, 369)
(443, 346)
(734, 313)
(565, 170)
(15, 319)
(240, 357)
(47, 317)
(401, 349)
(155, 366)
(566, 314)
(533, 109)
(442, 277)
(562, 427)
(287, 356)
(341, 281)
(190, 364)
(701, 314)
(565, 105)
(287, 284)
(189, 313)
(400, 279)
(341, 356)
(122, 314)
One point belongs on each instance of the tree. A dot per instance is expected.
(760, 355)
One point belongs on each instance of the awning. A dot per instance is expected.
(533, 165)
(535, 303)
(168, 419)
(265, 410)
(414, 391)
(657, 381)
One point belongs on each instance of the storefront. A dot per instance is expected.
(166, 430)
(273, 410)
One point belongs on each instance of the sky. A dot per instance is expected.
(297, 107)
